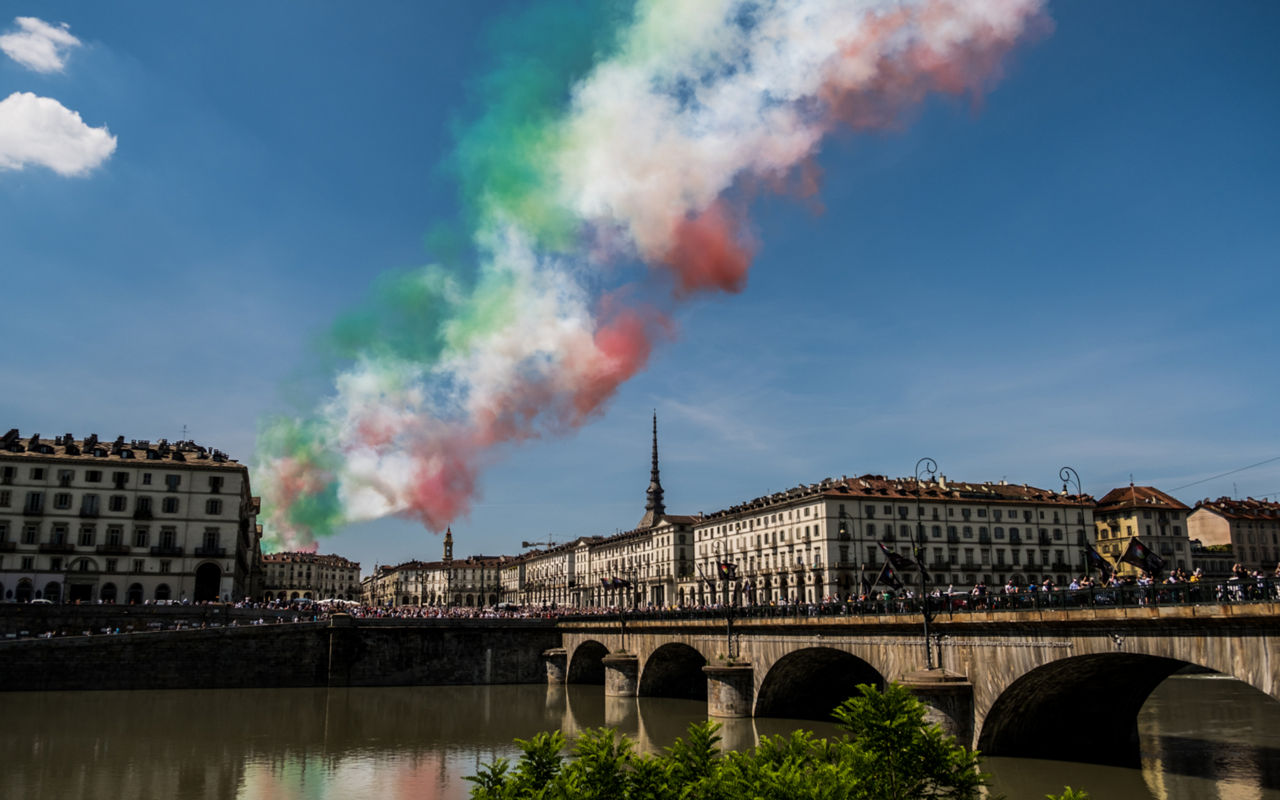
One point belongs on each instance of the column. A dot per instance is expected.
(730, 690)
(948, 698)
(557, 661)
(621, 675)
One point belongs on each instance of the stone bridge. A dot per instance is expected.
(1042, 684)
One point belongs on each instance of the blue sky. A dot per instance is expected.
(1073, 271)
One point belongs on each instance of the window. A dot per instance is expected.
(212, 506)
(4, 531)
(37, 473)
(93, 476)
(164, 565)
(111, 565)
(171, 482)
(120, 479)
(141, 536)
(28, 563)
(118, 502)
(215, 484)
(169, 505)
(55, 564)
(137, 565)
(115, 535)
(87, 536)
(168, 537)
(143, 507)
(6, 475)
(146, 479)
(35, 503)
(30, 534)
(89, 505)
(65, 476)
(210, 538)
(4, 499)
(62, 500)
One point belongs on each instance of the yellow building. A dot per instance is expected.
(1157, 519)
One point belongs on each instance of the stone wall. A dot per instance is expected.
(33, 619)
(345, 652)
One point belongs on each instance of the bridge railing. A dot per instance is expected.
(1266, 590)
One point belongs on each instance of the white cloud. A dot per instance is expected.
(42, 131)
(38, 45)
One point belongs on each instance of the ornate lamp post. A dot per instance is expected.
(1069, 475)
(929, 468)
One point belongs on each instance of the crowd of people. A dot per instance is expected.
(1178, 587)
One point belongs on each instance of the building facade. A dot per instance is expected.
(1250, 528)
(471, 582)
(309, 576)
(85, 520)
(1158, 520)
(821, 541)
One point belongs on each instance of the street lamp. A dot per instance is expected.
(1067, 475)
(928, 467)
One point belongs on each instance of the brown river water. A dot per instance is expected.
(1203, 737)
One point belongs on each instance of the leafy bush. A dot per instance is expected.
(888, 753)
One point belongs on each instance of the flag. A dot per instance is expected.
(727, 571)
(1096, 561)
(606, 583)
(888, 578)
(899, 561)
(862, 579)
(1141, 556)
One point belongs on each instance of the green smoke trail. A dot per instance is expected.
(503, 156)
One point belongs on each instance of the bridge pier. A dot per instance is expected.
(621, 675)
(730, 690)
(948, 698)
(557, 661)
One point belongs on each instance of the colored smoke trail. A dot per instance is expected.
(631, 141)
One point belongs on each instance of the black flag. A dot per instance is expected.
(1141, 556)
(898, 560)
(888, 578)
(728, 572)
(1096, 561)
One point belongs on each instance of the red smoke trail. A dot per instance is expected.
(707, 253)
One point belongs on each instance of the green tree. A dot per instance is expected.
(888, 752)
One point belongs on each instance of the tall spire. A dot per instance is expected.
(448, 545)
(653, 507)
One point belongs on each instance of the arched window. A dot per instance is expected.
(134, 596)
(107, 593)
(162, 592)
(53, 591)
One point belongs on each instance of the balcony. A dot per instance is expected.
(166, 550)
(57, 547)
(8, 547)
(212, 552)
(142, 513)
(113, 549)
(33, 511)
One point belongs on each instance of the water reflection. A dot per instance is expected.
(1203, 737)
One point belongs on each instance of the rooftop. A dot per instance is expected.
(93, 449)
(878, 486)
(309, 558)
(1246, 509)
(1144, 497)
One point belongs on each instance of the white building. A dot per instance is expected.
(124, 522)
(818, 541)
(309, 576)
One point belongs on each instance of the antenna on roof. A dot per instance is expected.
(186, 435)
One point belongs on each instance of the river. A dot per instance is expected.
(1203, 737)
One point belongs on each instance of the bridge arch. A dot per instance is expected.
(586, 663)
(674, 670)
(809, 683)
(1084, 709)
